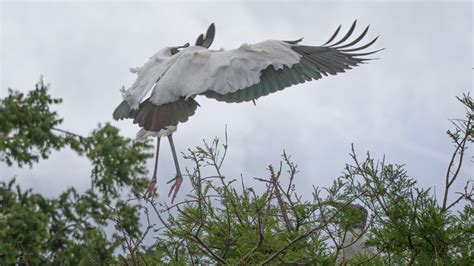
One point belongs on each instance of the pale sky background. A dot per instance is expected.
(398, 106)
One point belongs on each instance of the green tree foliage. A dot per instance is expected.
(27, 124)
(374, 205)
(70, 229)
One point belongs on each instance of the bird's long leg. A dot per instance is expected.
(151, 185)
(179, 178)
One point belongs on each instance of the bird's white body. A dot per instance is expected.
(143, 134)
(354, 244)
(196, 69)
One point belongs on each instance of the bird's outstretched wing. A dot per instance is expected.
(331, 58)
(208, 39)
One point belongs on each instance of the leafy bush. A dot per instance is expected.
(374, 213)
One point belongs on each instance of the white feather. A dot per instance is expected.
(143, 134)
(148, 74)
(353, 244)
(195, 69)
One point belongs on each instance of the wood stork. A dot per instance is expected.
(353, 240)
(176, 75)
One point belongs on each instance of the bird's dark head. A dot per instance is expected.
(168, 52)
(361, 214)
(203, 41)
(175, 50)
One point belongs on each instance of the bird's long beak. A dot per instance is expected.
(175, 50)
(186, 45)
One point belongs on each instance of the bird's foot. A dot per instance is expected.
(175, 187)
(149, 191)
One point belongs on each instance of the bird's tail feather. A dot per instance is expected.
(122, 111)
(155, 118)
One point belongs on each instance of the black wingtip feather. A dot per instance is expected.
(361, 36)
(368, 53)
(333, 36)
(206, 41)
(361, 47)
(199, 40)
(348, 34)
(210, 33)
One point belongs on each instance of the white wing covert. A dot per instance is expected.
(147, 76)
(197, 69)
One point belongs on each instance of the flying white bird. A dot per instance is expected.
(176, 75)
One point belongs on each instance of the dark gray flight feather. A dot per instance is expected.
(122, 111)
(208, 39)
(155, 118)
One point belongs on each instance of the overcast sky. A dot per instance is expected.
(398, 105)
